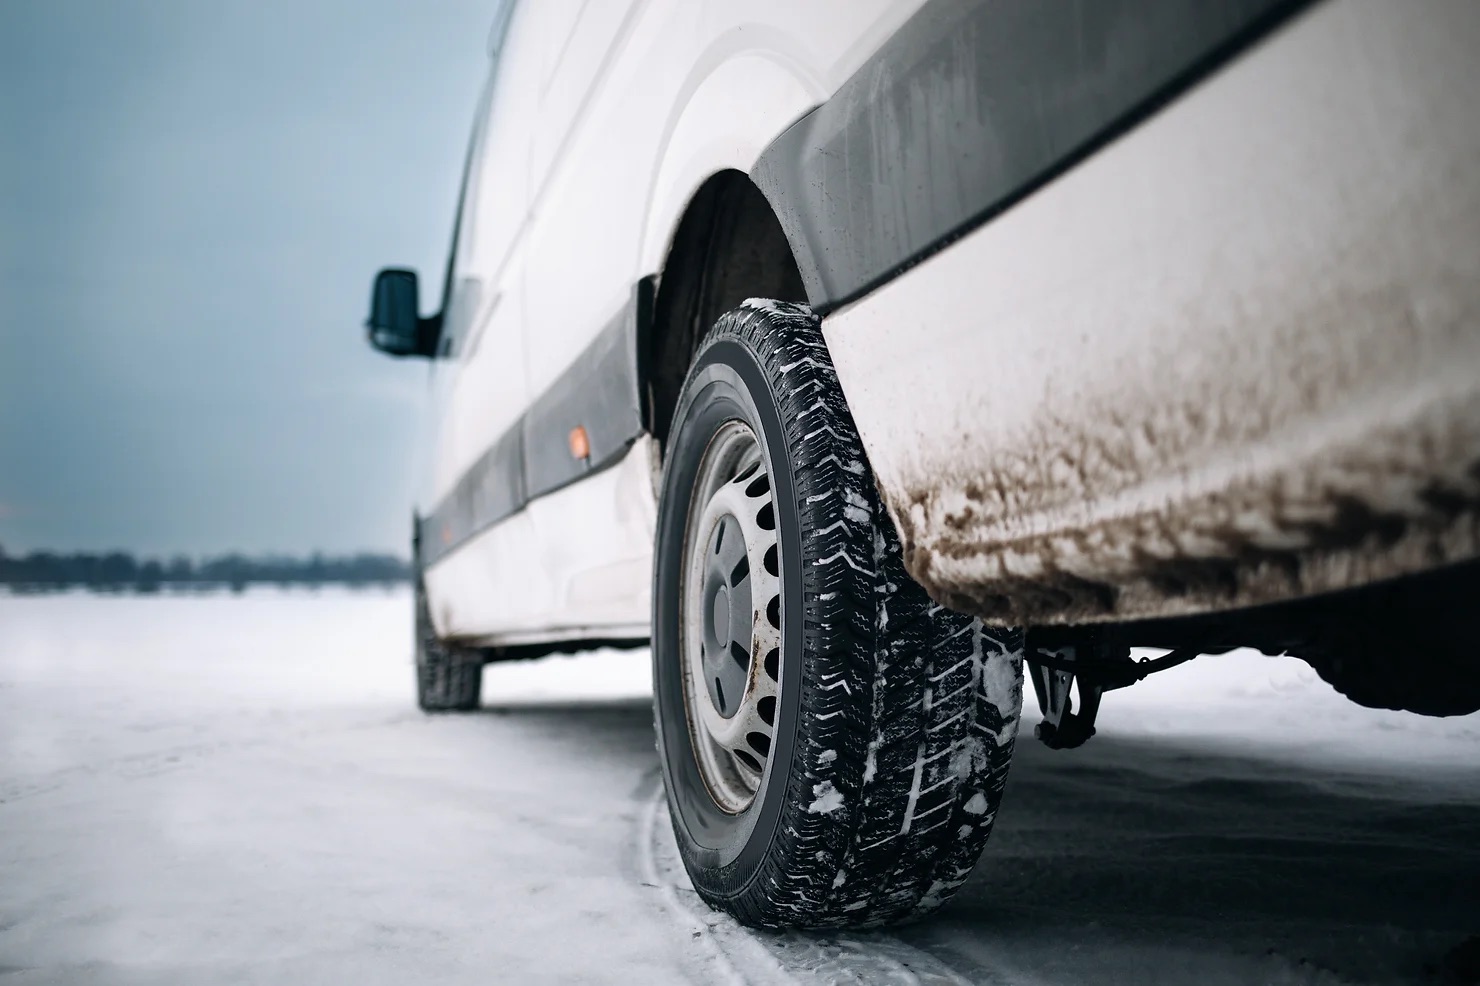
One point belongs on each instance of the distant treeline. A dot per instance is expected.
(117, 571)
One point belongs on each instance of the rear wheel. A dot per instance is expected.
(448, 678)
(834, 744)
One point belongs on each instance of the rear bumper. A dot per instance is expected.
(1233, 358)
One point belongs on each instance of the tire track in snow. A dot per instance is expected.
(657, 872)
(792, 958)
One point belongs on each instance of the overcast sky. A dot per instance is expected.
(194, 195)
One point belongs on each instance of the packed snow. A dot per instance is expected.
(240, 789)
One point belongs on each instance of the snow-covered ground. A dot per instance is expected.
(240, 790)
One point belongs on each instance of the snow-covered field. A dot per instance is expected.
(240, 790)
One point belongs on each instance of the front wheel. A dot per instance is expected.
(448, 678)
(834, 744)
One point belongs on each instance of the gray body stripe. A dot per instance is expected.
(968, 108)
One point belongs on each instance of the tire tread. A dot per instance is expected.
(448, 678)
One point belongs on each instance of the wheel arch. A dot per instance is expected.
(710, 234)
(727, 246)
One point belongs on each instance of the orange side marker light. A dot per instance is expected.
(580, 444)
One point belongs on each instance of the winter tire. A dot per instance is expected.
(834, 745)
(448, 678)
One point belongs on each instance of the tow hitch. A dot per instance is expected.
(1059, 658)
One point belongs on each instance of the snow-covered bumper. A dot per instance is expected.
(1232, 358)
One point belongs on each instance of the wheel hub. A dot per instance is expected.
(731, 616)
(728, 618)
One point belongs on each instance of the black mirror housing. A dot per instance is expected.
(395, 325)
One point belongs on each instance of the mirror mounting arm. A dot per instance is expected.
(428, 336)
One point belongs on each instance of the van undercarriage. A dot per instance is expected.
(1405, 644)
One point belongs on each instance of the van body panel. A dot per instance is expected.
(1232, 359)
(1124, 337)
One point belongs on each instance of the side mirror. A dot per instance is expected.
(395, 324)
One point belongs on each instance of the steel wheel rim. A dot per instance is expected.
(730, 599)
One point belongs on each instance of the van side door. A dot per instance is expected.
(475, 587)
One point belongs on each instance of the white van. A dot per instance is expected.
(830, 344)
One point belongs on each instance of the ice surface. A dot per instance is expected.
(239, 789)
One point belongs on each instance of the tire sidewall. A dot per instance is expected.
(723, 852)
